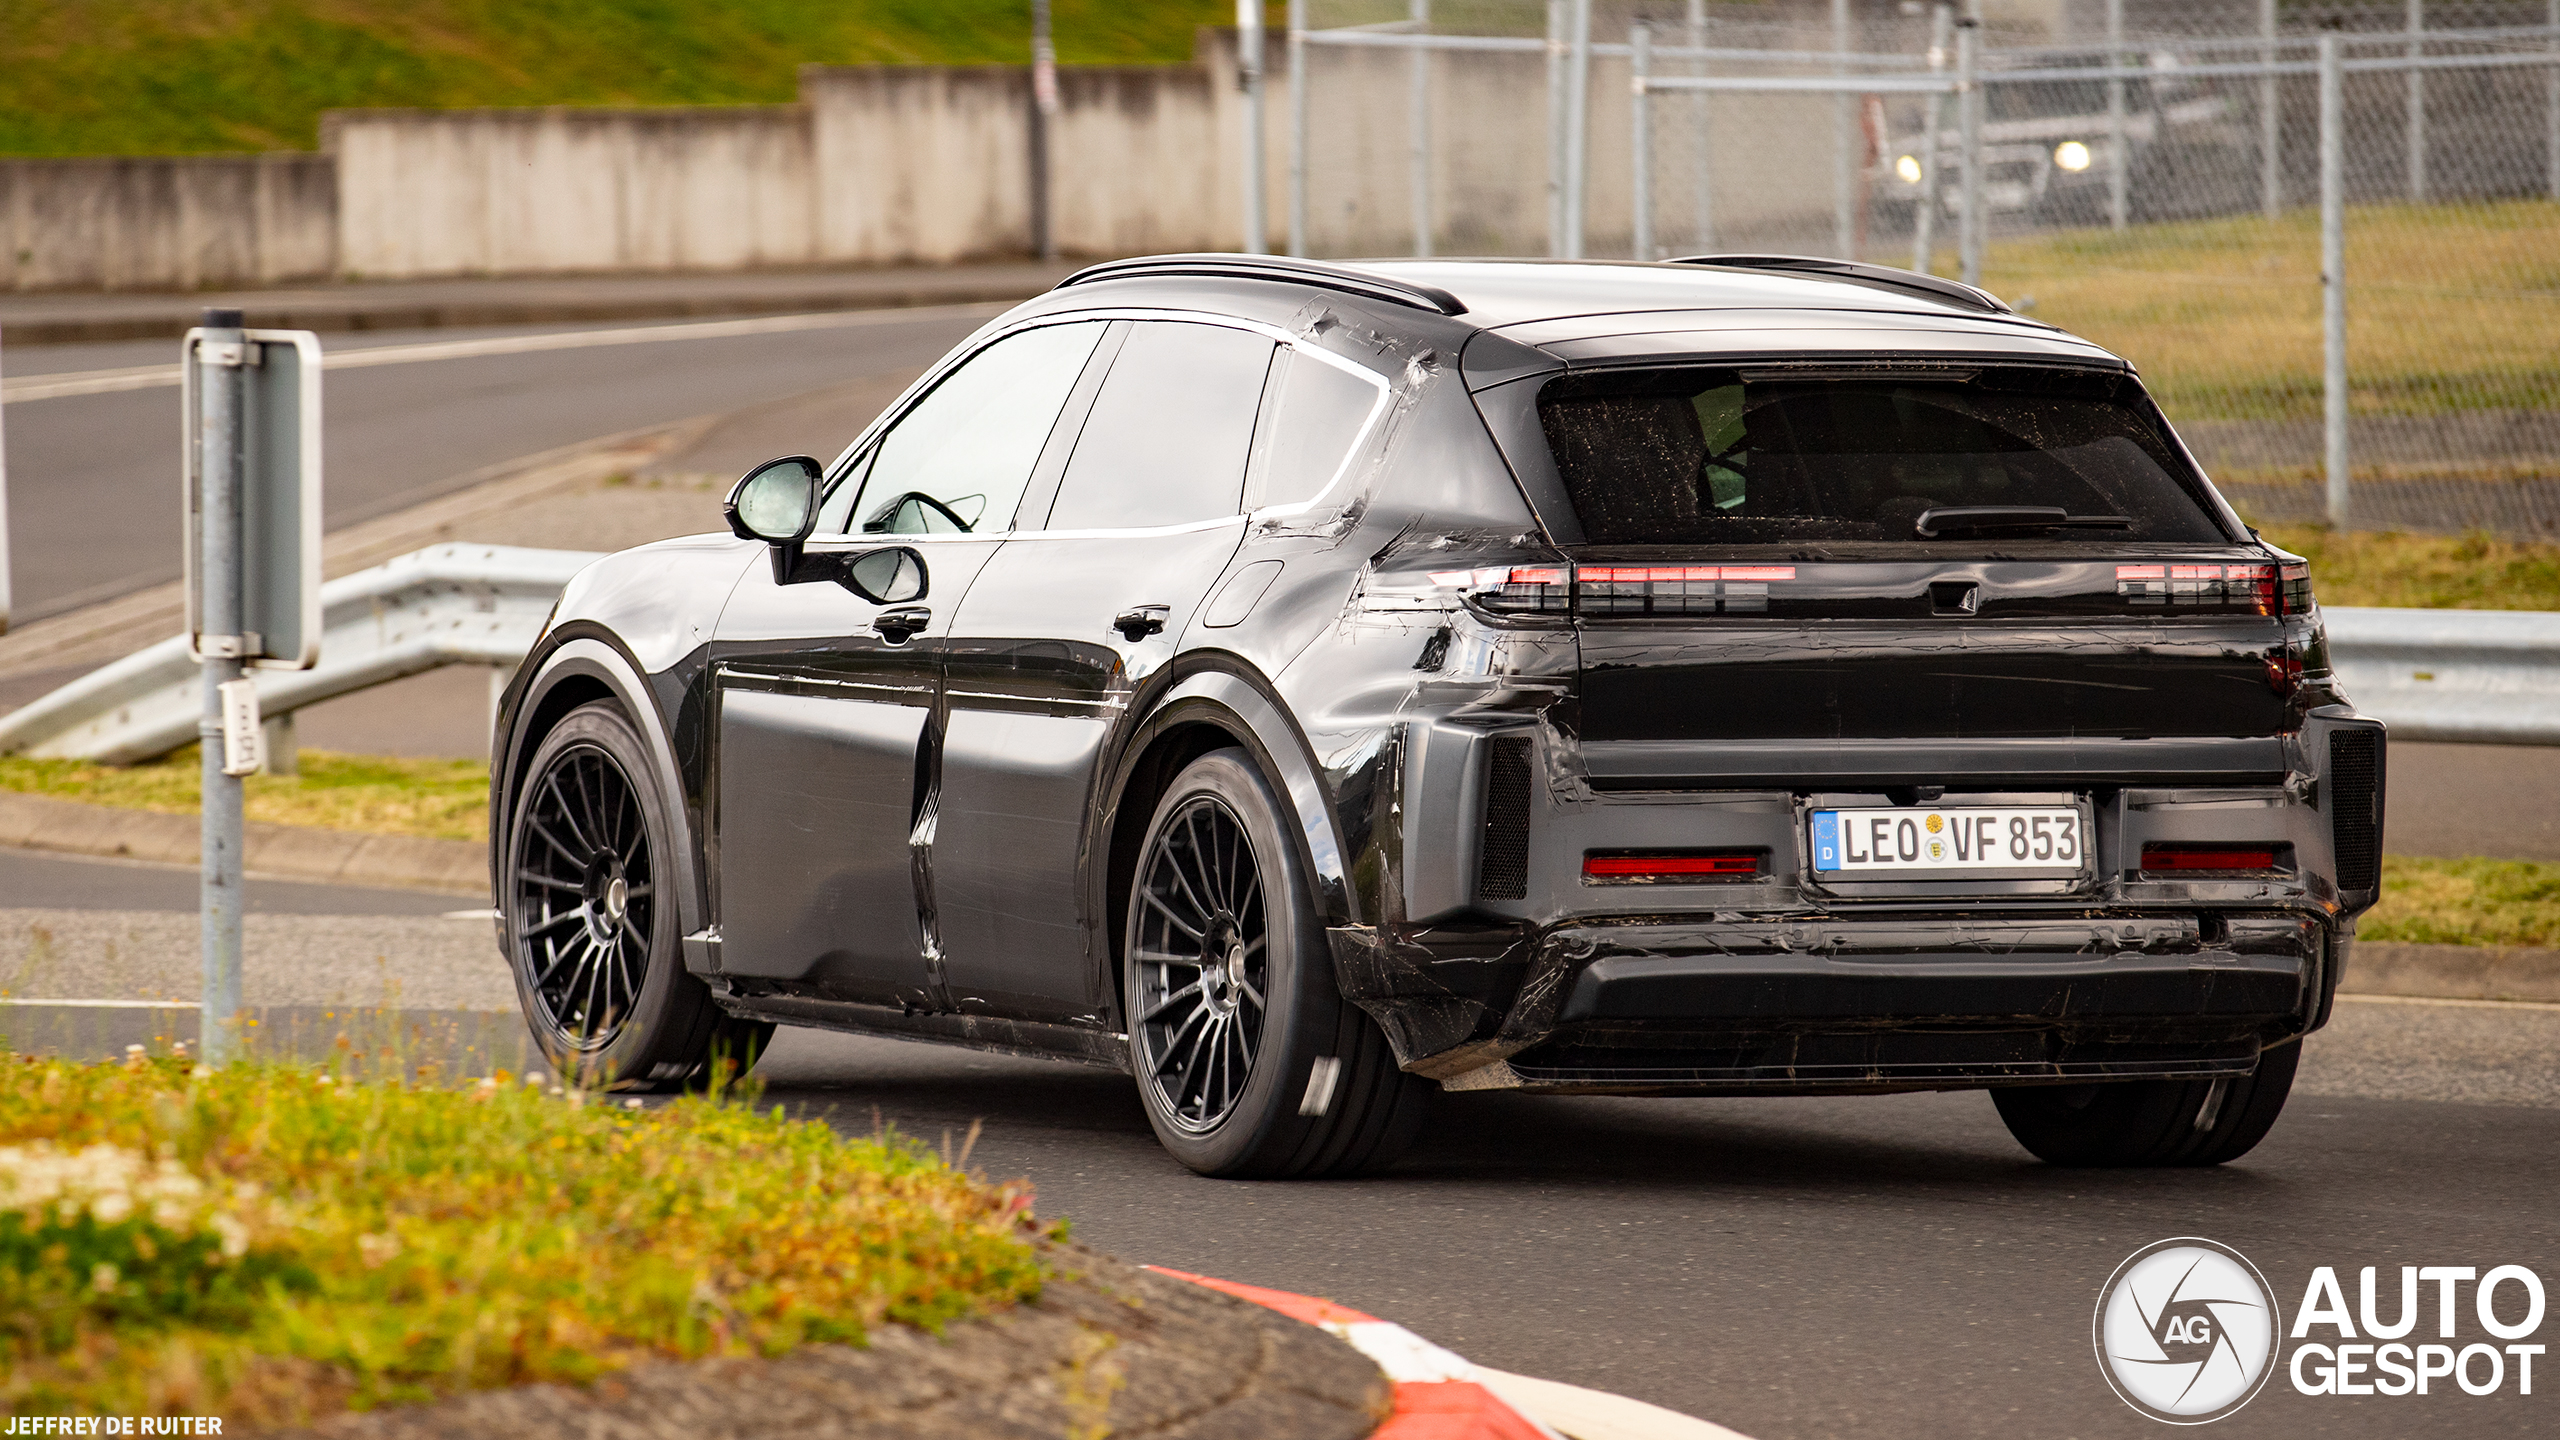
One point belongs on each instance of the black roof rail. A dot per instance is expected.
(1881, 276)
(1367, 284)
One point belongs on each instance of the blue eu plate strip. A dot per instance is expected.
(1826, 840)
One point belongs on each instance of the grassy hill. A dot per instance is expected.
(135, 77)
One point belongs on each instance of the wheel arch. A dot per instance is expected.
(1220, 704)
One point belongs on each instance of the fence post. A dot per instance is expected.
(1298, 88)
(2271, 117)
(1704, 198)
(4, 524)
(1640, 61)
(219, 357)
(1420, 101)
(1933, 115)
(1044, 108)
(1556, 178)
(1970, 222)
(1844, 237)
(1577, 117)
(2333, 276)
(2551, 101)
(2119, 163)
(1249, 48)
(2417, 125)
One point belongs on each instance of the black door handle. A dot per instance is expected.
(1140, 621)
(899, 625)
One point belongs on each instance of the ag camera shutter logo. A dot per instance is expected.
(2186, 1331)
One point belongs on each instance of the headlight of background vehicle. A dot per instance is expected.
(2071, 155)
(1907, 169)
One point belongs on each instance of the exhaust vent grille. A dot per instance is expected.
(2355, 807)
(1503, 871)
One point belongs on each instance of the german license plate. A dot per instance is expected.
(1912, 841)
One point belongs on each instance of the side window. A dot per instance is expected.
(1167, 438)
(958, 461)
(1322, 411)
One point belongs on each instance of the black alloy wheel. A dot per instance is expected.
(2151, 1123)
(585, 893)
(591, 927)
(1249, 1061)
(1202, 960)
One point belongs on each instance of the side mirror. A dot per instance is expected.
(887, 577)
(776, 502)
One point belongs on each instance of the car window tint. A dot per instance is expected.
(1321, 411)
(1706, 456)
(959, 459)
(1166, 441)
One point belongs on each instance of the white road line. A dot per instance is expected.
(146, 377)
(2460, 1004)
(107, 1004)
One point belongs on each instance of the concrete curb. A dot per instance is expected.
(1441, 1396)
(281, 852)
(2452, 972)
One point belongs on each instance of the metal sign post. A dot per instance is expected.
(252, 493)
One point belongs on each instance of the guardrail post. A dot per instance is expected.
(1971, 223)
(2333, 277)
(1249, 56)
(220, 356)
(1640, 61)
(1298, 88)
(1420, 103)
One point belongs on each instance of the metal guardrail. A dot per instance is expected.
(2484, 676)
(444, 605)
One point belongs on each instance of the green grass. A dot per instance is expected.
(2434, 572)
(2451, 307)
(380, 794)
(132, 77)
(271, 1244)
(2466, 902)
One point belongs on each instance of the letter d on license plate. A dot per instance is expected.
(1915, 841)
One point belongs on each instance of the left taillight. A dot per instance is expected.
(1672, 867)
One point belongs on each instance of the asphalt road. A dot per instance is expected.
(93, 496)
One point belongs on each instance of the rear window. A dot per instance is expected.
(1726, 456)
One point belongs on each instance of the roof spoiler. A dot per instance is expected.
(1856, 273)
(1350, 280)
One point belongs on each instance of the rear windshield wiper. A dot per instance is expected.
(1962, 519)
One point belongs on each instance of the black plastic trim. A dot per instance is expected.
(1853, 272)
(1288, 270)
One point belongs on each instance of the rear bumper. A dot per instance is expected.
(1908, 1005)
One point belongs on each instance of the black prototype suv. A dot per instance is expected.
(1311, 686)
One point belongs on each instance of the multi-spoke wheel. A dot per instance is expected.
(592, 937)
(1248, 1059)
(1201, 955)
(2151, 1122)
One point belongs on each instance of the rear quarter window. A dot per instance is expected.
(1700, 455)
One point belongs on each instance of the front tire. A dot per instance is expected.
(1249, 1061)
(592, 929)
(2151, 1122)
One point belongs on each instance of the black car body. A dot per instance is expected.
(1550, 687)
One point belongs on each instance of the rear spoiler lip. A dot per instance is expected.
(2029, 763)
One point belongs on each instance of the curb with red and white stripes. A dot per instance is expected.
(1442, 1396)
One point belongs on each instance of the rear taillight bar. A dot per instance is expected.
(2260, 588)
(1680, 867)
(1622, 589)
(2179, 856)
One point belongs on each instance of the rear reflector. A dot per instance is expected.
(1680, 865)
(2179, 855)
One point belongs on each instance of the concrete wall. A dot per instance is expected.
(481, 192)
(159, 223)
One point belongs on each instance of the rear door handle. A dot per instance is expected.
(899, 625)
(1140, 621)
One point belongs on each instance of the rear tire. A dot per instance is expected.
(592, 927)
(2151, 1122)
(1236, 1029)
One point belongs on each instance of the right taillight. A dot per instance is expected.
(2295, 588)
(1639, 867)
(2178, 856)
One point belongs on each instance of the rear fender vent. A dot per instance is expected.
(1503, 871)
(2355, 806)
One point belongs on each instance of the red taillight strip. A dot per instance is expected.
(2176, 856)
(1727, 865)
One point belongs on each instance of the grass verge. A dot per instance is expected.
(2465, 902)
(273, 1244)
(2436, 572)
(377, 794)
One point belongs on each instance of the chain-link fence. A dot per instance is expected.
(2144, 172)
